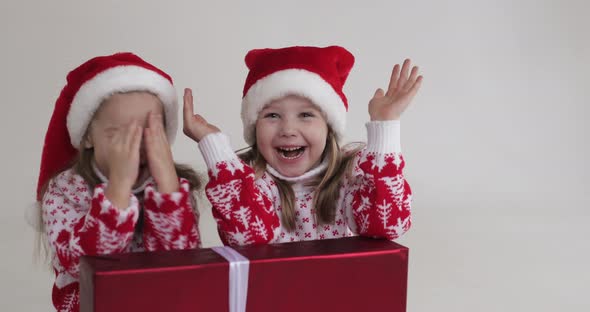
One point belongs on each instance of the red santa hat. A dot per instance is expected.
(86, 88)
(315, 73)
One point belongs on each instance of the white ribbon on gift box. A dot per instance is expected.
(238, 277)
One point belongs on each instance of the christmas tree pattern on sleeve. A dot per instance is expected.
(242, 209)
(170, 221)
(378, 194)
(241, 205)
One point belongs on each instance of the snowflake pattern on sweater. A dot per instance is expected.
(375, 200)
(79, 221)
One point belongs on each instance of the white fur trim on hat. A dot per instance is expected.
(120, 79)
(293, 82)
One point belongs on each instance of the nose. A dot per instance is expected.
(288, 128)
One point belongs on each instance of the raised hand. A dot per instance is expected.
(159, 155)
(391, 104)
(195, 126)
(123, 164)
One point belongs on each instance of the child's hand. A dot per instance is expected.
(399, 95)
(195, 126)
(123, 164)
(159, 155)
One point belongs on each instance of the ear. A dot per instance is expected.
(87, 141)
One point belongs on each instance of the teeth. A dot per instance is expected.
(289, 149)
(291, 157)
(291, 152)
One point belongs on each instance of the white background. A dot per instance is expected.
(496, 141)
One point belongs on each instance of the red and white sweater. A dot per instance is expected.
(374, 200)
(79, 221)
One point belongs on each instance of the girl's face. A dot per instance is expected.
(291, 135)
(114, 116)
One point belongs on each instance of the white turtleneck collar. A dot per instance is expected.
(306, 176)
(104, 179)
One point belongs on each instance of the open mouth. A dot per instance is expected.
(291, 152)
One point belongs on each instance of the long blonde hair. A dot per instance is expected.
(327, 185)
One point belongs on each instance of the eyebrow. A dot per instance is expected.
(112, 128)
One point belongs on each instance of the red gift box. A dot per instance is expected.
(347, 274)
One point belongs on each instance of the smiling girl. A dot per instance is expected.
(295, 182)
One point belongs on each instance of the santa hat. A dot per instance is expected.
(86, 88)
(315, 73)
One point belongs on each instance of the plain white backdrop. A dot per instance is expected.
(496, 142)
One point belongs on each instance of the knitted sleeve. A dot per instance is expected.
(241, 206)
(378, 196)
(169, 219)
(77, 223)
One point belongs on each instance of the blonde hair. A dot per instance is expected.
(327, 190)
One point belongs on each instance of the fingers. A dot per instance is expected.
(148, 134)
(126, 141)
(123, 155)
(403, 77)
(155, 135)
(393, 80)
(159, 155)
(136, 134)
(415, 87)
(151, 120)
(161, 130)
(156, 125)
(412, 80)
(128, 134)
(187, 110)
(378, 93)
(195, 126)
